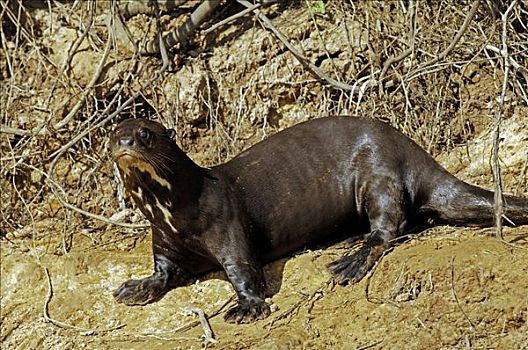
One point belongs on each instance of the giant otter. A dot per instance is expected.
(297, 187)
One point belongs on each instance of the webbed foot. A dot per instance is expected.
(141, 292)
(352, 268)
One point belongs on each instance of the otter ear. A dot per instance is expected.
(171, 133)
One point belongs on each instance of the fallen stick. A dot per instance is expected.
(208, 332)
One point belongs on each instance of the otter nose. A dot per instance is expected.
(126, 141)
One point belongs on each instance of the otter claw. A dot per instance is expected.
(141, 292)
(247, 313)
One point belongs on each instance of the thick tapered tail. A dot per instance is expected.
(468, 205)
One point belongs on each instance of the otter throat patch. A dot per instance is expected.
(126, 164)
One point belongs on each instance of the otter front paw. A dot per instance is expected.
(248, 312)
(141, 292)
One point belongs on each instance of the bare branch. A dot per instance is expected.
(313, 69)
(232, 18)
(103, 122)
(456, 39)
(180, 35)
(498, 198)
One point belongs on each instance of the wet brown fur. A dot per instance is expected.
(300, 186)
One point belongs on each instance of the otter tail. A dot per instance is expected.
(468, 205)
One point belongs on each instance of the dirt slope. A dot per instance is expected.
(449, 288)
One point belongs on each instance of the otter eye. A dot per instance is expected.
(143, 133)
(170, 133)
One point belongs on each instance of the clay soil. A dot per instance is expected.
(445, 288)
(450, 288)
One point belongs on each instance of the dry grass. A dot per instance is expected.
(434, 70)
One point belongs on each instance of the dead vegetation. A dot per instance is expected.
(68, 70)
(441, 71)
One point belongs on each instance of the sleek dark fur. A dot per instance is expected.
(295, 188)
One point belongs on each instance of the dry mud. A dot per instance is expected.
(449, 288)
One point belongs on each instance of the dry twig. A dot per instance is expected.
(103, 122)
(208, 332)
(411, 41)
(84, 331)
(232, 18)
(456, 39)
(312, 68)
(472, 325)
(304, 299)
(498, 198)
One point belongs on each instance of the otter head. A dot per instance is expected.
(142, 150)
